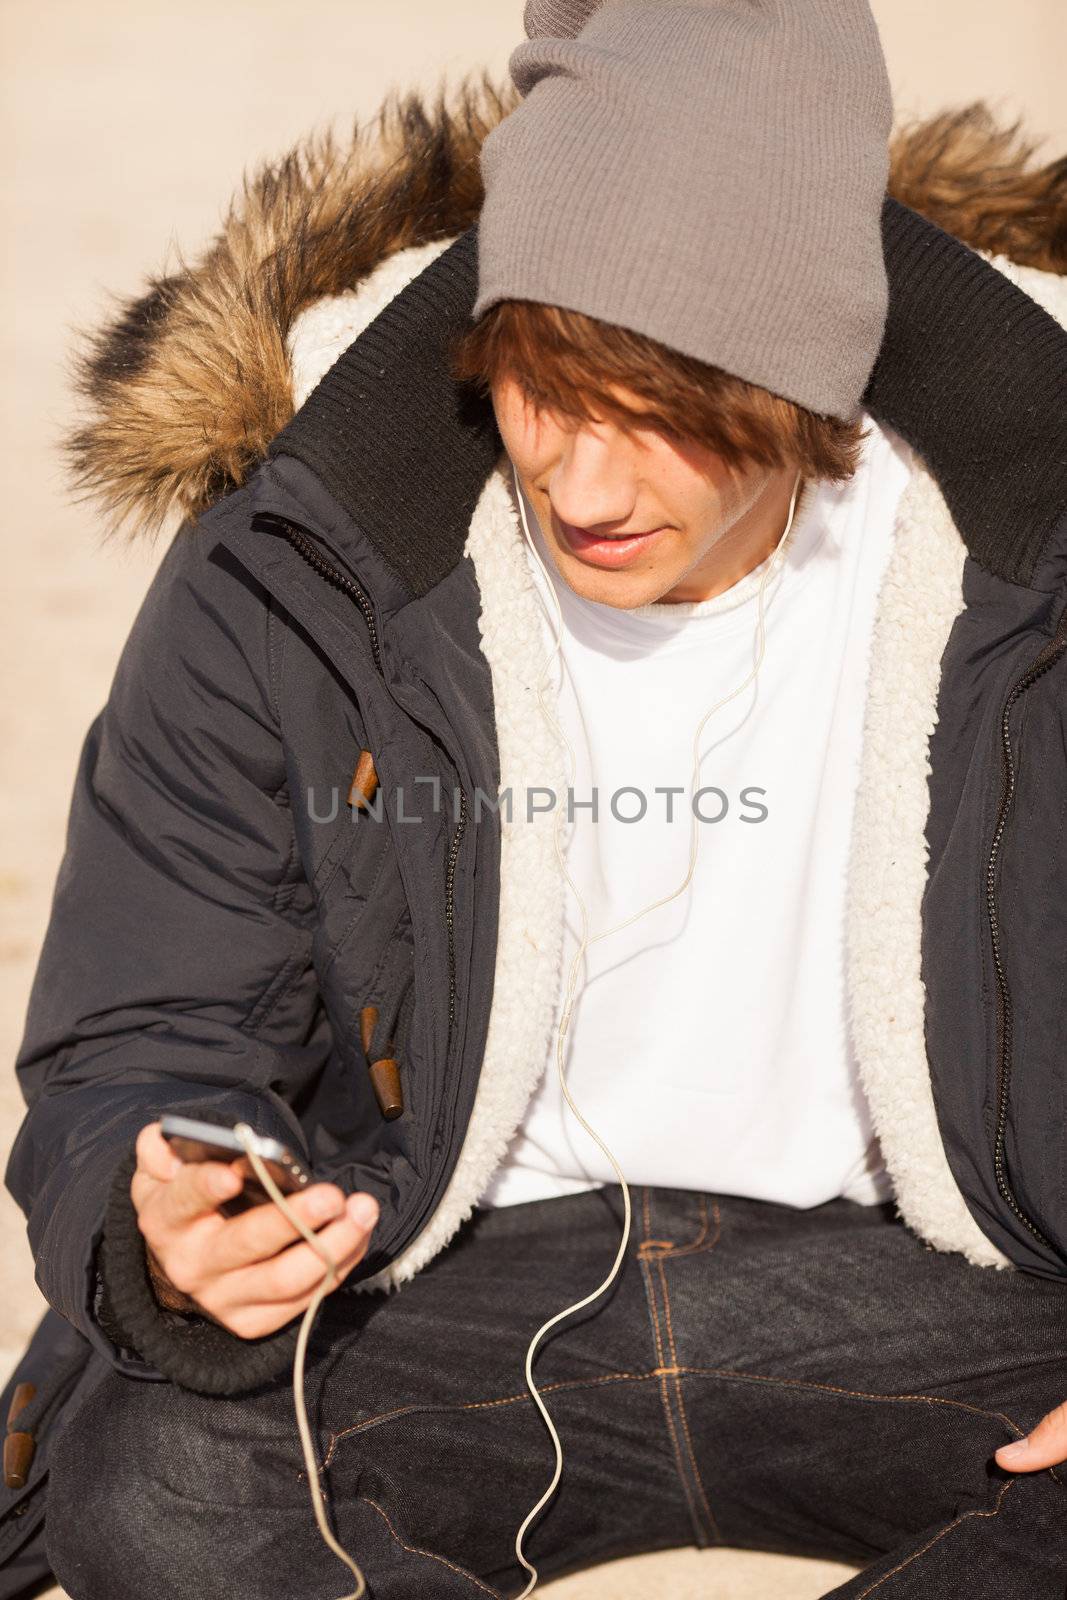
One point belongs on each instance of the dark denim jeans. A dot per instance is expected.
(808, 1381)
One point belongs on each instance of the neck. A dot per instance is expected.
(750, 540)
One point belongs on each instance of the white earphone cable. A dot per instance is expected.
(584, 942)
(247, 1136)
(318, 1494)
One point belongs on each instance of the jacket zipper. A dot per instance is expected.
(450, 903)
(1047, 658)
(302, 543)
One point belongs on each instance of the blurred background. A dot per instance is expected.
(127, 126)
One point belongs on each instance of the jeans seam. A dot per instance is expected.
(851, 1394)
(696, 1246)
(646, 1203)
(668, 1250)
(712, 1524)
(948, 1528)
(480, 1405)
(659, 1373)
(702, 1242)
(665, 1399)
(431, 1555)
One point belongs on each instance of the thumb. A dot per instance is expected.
(1044, 1446)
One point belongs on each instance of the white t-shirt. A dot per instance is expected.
(708, 1044)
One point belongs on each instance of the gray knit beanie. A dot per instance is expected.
(709, 174)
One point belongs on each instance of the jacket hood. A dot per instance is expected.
(187, 385)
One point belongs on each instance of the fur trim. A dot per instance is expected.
(186, 387)
(974, 178)
(529, 953)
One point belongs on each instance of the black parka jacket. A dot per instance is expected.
(223, 915)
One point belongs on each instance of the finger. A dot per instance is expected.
(299, 1269)
(156, 1164)
(260, 1233)
(1044, 1446)
(199, 1187)
(253, 1320)
(154, 1155)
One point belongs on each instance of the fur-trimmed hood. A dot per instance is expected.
(187, 385)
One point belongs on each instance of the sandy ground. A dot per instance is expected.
(125, 129)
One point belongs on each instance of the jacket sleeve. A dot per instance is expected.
(175, 973)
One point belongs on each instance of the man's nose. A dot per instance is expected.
(593, 482)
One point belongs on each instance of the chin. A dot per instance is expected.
(623, 590)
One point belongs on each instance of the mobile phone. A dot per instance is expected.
(205, 1141)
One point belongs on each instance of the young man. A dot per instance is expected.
(752, 409)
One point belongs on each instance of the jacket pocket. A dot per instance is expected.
(358, 896)
(363, 949)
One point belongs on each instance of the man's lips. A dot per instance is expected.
(613, 550)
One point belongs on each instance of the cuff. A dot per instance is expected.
(190, 1350)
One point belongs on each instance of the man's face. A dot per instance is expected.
(632, 515)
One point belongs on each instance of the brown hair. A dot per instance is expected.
(972, 175)
(568, 362)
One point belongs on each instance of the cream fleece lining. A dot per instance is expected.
(920, 599)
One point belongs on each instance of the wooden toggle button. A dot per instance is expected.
(24, 1393)
(18, 1446)
(384, 1074)
(362, 789)
(368, 1021)
(385, 1081)
(18, 1453)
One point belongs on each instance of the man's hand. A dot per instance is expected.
(1045, 1446)
(244, 1272)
